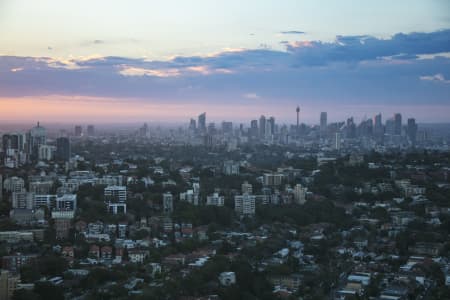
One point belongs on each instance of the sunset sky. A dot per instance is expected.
(135, 61)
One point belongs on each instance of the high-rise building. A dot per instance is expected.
(215, 200)
(227, 127)
(202, 122)
(398, 124)
(271, 123)
(412, 130)
(262, 126)
(378, 130)
(46, 152)
(90, 130)
(78, 130)
(116, 197)
(297, 110)
(337, 141)
(167, 203)
(245, 204)
(300, 194)
(192, 125)
(63, 148)
(253, 128)
(23, 200)
(37, 136)
(116, 193)
(390, 127)
(323, 122)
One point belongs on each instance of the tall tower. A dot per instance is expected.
(323, 122)
(298, 116)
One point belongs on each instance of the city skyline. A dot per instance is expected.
(164, 62)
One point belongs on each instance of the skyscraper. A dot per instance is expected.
(412, 130)
(378, 130)
(323, 122)
(192, 125)
(298, 118)
(202, 122)
(254, 128)
(63, 148)
(398, 124)
(90, 130)
(262, 126)
(78, 130)
(37, 136)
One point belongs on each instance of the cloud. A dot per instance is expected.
(98, 42)
(292, 32)
(251, 96)
(364, 47)
(351, 70)
(436, 77)
(134, 71)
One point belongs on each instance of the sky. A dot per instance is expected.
(135, 61)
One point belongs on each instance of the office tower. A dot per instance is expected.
(271, 122)
(78, 130)
(46, 152)
(253, 128)
(143, 131)
(378, 130)
(10, 141)
(227, 127)
(390, 126)
(36, 136)
(1, 187)
(351, 128)
(63, 148)
(337, 141)
(262, 126)
(298, 118)
(192, 125)
(212, 128)
(245, 204)
(167, 203)
(412, 131)
(398, 124)
(90, 130)
(202, 122)
(323, 122)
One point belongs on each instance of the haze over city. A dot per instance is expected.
(111, 61)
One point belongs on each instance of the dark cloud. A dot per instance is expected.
(98, 42)
(352, 69)
(360, 48)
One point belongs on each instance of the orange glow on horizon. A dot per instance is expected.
(68, 109)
